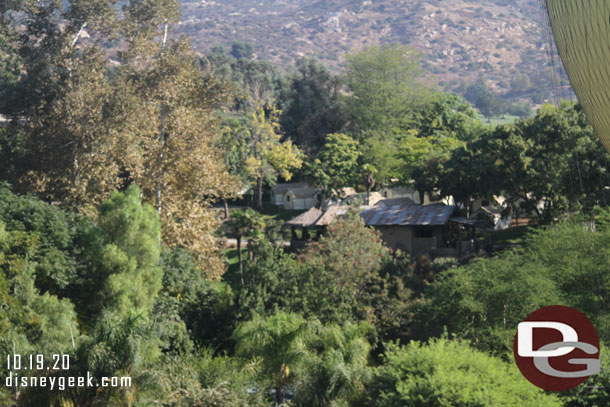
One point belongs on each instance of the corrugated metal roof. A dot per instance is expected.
(431, 215)
(463, 221)
(396, 201)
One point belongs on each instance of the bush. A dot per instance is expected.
(450, 373)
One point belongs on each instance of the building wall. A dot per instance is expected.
(399, 192)
(397, 237)
(290, 202)
(403, 238)
(277, 199)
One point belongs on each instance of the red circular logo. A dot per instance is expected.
(556, 348)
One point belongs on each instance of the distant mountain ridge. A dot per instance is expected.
(501, 41)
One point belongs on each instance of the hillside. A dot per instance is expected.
(502, 41)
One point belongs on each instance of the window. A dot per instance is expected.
(287, 198)
(423, 232)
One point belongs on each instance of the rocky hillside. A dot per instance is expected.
(502, 41)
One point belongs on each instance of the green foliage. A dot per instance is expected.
(485, 300)
(9, 73)
(241, 50)
(336, 165)
(487, 103)
(280, 341)
(268, 157)
(189, 309)
(61, 238)
(424, 160)
(450, 373)
(314, 107)
(439, 124)
(569, 166)
(276, 281)
(202, 379)
(553, 159)
(384, 87)
(12, 153)
(247, 224)
(595, 391)
(337, 368)
(130, 233)
(31, 323)
(327, 365)
(346, 276)
(446, 115)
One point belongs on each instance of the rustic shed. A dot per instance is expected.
(278, 191)
(421, 229)
(302, 198)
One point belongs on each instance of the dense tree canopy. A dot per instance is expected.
(448, 373)
(385, 88)
(315, 107)
(336, 165)
(125, 138)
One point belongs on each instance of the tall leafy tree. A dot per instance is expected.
(336, 165)
(482, 98)
(268, 156)
(281, 342)
(384, 82)
(152, 121)
(337, 368)
(247, 224)
(315, 107)
(175, 158)
(130, 233)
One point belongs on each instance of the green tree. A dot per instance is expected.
(485, 300)
(336, 165)
(241, 50)
(33, 323)
(151, 121)
(568, 167)
(337, 368)
(247, 224)
(9, 71)
(130, 234)
(384, 87)
(424, 159)
(281, 343)
(447, 373)
(482, 98)
(268, 156)
(315, 107)
(446, 115)
(124, 284)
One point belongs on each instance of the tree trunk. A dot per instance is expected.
(159, 186)
(280, 393)
(240, 260)
(250, 250)
(259, 194)
(421, 197)
(226, 205)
